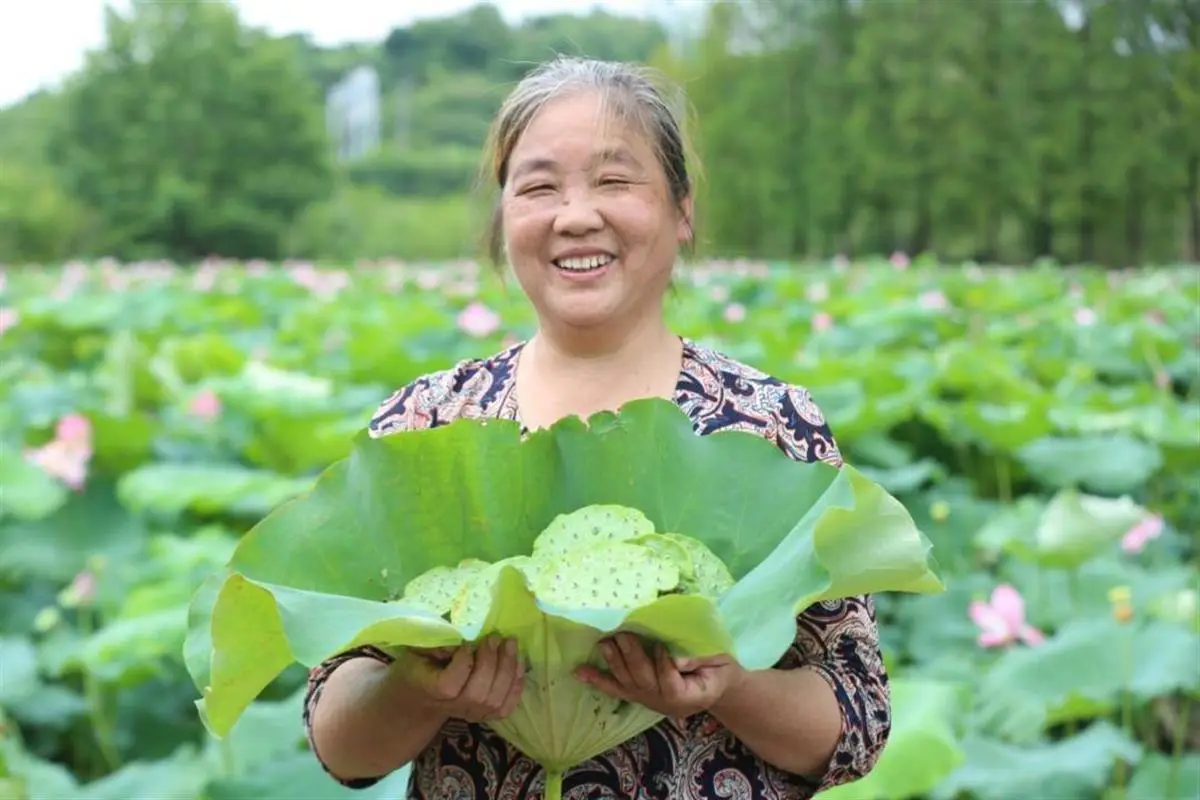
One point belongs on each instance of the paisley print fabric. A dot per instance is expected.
(698, 759)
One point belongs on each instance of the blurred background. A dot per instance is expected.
(970, 227)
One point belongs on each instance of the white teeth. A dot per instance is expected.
(583, 264)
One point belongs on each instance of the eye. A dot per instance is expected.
(613, 180)
(536, 187)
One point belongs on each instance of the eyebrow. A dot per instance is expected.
(614, 155)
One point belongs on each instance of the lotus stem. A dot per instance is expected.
(93, 694)
(1181, 735)
(1126, 710)
(1003, 479)
(554, 785)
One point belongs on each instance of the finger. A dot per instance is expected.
(616, 664)
(506, 674)
(641, 668)
(671, 685)
(483, 678)
(440, 653)
(608, 685)
(451, 681)
(686, 665)
(514, 693)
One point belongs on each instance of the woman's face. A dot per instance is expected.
(589, 223)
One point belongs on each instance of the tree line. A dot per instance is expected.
(992, 130)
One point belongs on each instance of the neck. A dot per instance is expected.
(591, 351)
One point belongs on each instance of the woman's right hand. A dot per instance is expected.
(473, 682)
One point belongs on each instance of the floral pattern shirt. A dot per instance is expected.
(697, 759)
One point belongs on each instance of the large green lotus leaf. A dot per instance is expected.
(323, 572)
(1074, 528)
(1075, 768)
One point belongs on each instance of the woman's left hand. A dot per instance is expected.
(676, 688)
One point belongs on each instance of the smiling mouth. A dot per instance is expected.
(586, 264)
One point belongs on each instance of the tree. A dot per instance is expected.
(192, 134)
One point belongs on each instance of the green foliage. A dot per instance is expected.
(993, 403)
(39, 222)
(365, 222)
(991, 130)
(987, 130)
(191, 135)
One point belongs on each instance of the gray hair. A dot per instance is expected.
(636, 95)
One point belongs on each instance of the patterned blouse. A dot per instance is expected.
(698, 759)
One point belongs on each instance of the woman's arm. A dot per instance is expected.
(825, 712)
(363, 720)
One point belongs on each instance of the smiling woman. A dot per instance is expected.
(595, 202)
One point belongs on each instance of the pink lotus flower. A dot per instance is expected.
(934, 300)
(900, 261)
(719, 294)
(1136, 538)
(817, 292)
(66, 457)
(81, 591)
(478, 320)
(1085, 317)
(822, 322)
(206, 405)
(9, 317)
(1002, 621)
(735, 313)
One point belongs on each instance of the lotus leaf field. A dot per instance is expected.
(1041, 424)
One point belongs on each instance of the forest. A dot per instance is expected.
(992, 131)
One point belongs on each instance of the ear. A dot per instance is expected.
(683, 228)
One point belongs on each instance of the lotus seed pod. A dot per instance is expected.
(591, 525)
(669, 548)
(473, 601)
(435, 589)
(606, 575)
(710, 576)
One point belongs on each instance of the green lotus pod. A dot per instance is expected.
(607, 575)
(709, 575)
(591, 525)
(672, 549)
(437, 589)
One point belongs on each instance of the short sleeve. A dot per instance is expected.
(837, 639)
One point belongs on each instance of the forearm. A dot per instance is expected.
(367, 723)
(788, 718)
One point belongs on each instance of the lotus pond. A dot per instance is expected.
(1041, 425)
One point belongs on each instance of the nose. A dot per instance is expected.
(577, 215)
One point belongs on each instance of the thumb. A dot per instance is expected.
(454, 677)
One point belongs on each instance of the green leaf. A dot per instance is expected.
(1071, 769)
(316, 576)
(1112, 465)
(1076, 527)
(205, 489)
(18, 669)
(1160, 778)
(26, 492)
(922, 747)
(1081, 671)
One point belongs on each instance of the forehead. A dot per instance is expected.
(579, 132)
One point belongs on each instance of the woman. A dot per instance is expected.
(595, 202)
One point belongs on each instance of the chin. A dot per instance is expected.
(577, 317)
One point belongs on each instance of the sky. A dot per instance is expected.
(42, 41)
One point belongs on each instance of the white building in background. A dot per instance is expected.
(352, 115)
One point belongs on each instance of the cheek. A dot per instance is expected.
(524, 228)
